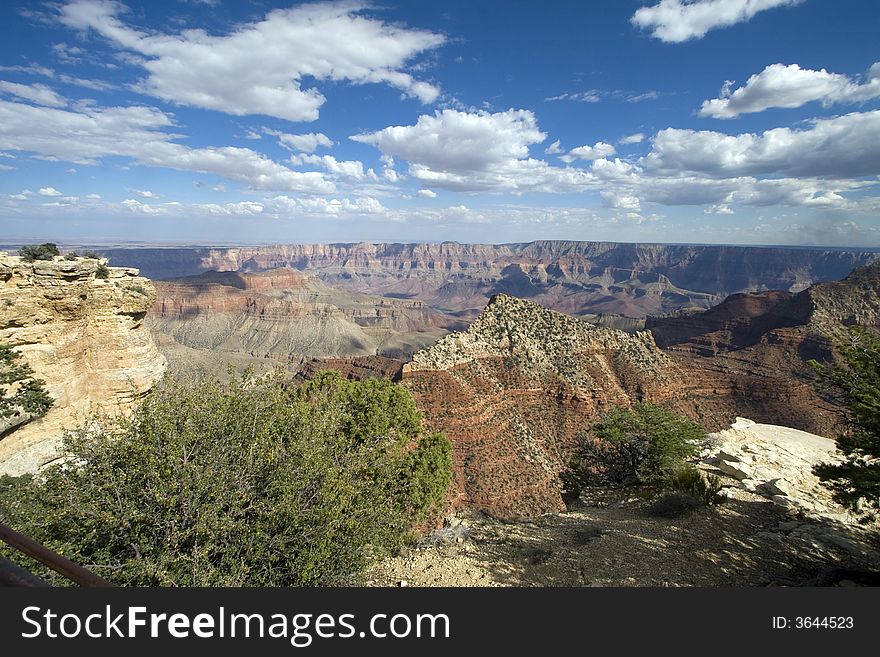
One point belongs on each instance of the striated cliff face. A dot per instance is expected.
(513, 390)
(288, 315)
(84, 336)
(753, 350)
(573, 277)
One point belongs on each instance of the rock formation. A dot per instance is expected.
(777, 462)
(513, 391)
(84, 336)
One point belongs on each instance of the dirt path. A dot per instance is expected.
(617, 542)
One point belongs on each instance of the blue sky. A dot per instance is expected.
(214, 121)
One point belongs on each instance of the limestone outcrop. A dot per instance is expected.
(776, 462)
(84, 336)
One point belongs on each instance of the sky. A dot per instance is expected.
(235, 122)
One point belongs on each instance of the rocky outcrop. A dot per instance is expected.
(513, 391)
(776, 462)
(573, 277)
(84, 336)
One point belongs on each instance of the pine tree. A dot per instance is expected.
(856, 383)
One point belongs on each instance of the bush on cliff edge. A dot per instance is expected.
(45, 251)
(645, 445)
(250, 483)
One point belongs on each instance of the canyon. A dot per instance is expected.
(578, 278)
(514, 349)
(516, 388)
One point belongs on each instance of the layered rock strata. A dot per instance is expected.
(513, 391)
(84, 336)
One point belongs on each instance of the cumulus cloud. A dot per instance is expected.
(87, 134)
(636, 138)
(597, 151)
(674, 21)
(842, 147)
(259, 68)
(475, 151)
(306, 143)
(145, 193)
(426, 193)
(49, 191)
(36, 93)
(620, 200)
(352, 169)
(554, 149)
(791, 86)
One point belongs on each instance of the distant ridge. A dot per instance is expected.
(570, 276)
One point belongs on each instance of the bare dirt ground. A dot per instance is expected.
(616, 541)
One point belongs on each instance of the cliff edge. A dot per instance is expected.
(84, 336)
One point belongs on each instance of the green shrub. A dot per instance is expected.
(688, 479)
(248, 483)
(641, 445)
(70, 255)
(27, 394)
(102, 272)
(45, 251)
(90, 255)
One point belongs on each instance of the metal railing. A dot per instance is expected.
(13, 575)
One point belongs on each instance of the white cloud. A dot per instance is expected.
(249, 208)
(352, 169)
(136, 206)
(590, 96)
(675, 21)
(426, 193)
(554, 149)
(93, 197)
(842, 147)
(145, 193)
(36, 93)
(364, 205)
(721, 208)
(791, 86)
(620, 200)
(49, 191)
(258, 68)
(306, 143)
(597, 151)
(475, 151)
(636, 138)
(88, 134)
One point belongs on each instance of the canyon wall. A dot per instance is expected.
(84, 336)
(573, 277)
